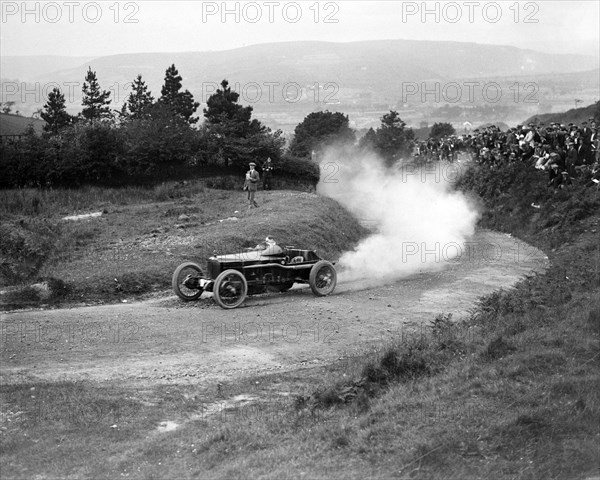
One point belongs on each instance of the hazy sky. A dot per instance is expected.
(82, 28)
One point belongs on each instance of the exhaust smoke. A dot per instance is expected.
(420, 223)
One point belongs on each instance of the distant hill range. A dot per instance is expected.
(367, 63)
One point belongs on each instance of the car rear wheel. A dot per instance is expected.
(322, 278)
(186, 281)
(230, 289)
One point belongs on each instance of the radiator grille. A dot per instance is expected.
(214, 268)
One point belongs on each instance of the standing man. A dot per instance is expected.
(267, 174)
(251, 184)
(572, 158)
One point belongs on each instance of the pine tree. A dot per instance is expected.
(55, 112)
(95, 102)
(232, 137)
(223, 109)
(180, 103)
(139, 102)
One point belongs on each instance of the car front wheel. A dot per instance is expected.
(230, 289)
(322, 278)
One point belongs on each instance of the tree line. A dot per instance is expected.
(152, 139)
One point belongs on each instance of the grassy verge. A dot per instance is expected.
(143, 234)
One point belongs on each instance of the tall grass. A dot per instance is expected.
(48, 202)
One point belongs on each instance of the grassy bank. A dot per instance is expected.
(142, 234)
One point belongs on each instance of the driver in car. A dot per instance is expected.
(269, 247)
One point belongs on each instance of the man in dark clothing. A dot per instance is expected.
(571, 159)
(267, 174)
(584, 151)
(511, 138)
(586, 132)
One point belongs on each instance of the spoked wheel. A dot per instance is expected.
(230, 289)
(322, 278)
(186, 281)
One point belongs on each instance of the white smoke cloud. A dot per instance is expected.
(420, 222)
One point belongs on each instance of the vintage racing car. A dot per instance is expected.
(231, 277)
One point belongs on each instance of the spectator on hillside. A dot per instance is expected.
(532, 137)
(593, 177)
(267, 174)
(595, 143)
(565, 152)
(251, 184)
(571, 159)
(511, 138)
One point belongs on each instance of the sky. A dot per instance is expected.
(92, 29)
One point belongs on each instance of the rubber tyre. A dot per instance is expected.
(322, 278)
(177, 282)
(222, 287)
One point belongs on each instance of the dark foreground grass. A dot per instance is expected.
(143, 234)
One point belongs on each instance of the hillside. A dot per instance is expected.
(575, 115)
(32, 66)
(16, 125)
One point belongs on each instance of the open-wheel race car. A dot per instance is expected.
(232, 277)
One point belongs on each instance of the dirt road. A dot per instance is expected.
(167, 341)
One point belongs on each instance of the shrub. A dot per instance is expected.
(299, 168)
(23, 249)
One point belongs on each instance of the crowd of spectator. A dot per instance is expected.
(566, 153)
